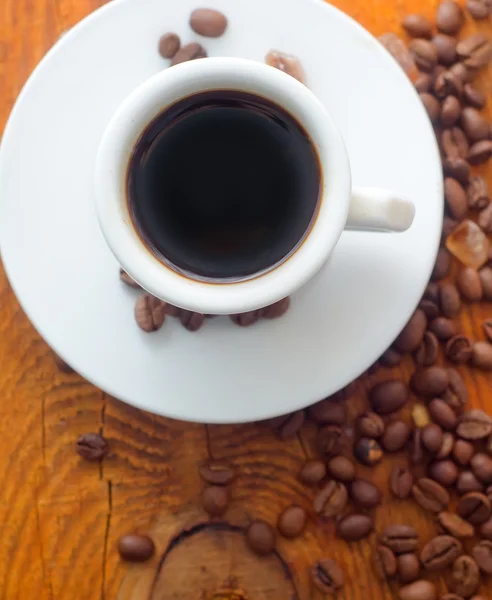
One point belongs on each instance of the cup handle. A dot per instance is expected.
(374, 209)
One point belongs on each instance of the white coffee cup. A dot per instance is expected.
(340, 206)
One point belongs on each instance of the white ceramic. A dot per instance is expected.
(66, 278)
(383, 209)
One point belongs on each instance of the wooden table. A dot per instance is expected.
(60, 517)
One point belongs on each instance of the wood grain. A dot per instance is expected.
(61, 517)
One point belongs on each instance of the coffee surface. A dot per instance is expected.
(223, 184)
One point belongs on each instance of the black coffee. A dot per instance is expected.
(223, 184)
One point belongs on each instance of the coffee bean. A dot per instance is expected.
(465, 576)
(481, 465)
(245, 319)
(188, 52)
(92, 446)
(430, 495)
(341, 469)
(260, 537)
(432, 438)
(457, 168)
(401, 482)
(431, 311)
(473, 96)
(287, 426)
(477, 193)
(368, 451)
(487, 329)
(328, 412)
(125, 278)
(418, 590)
(424, 81)
(469, 285)
(474, 425)
(478, 9)
(208, 22)
(454, 143)
(327, 576)
(135, 547)
(486, 529)
(456, 199)
(482, 553)
(215, 499)
(440, 552)
(400, 538)
(428, 351)
(411, 336)
(150, 313)
(396, 436)
(485, 275)
(217, 472)
(449, 224)
(442, 264)
(431, 105)
(450, 111)
(444, 472)
(485, 219)
(480, 152)
(420, 415)
(331, 500)
(292, 521)
(388, 396)
(449, 17)
(430, 381)
(370, 425)
(462, 72)
(467, 482)
(447, 83)
(475, 51)
(456, 394)
(390, 358)
(192, 321)
(459, 349)
(482, 355)
(446, 52)
(462, 452)
(474, 125)
(169, 44)
(408, 566)
(443, 328)
(417, 26)
(416, 448)
(446, 446)
(365, 494)
(442, 414)
(424, 53)
(474, 507)
(276, 310)
(329, 441)
(432, 291)
(312, 472)
(355, 527)
(454, 525)
(384, 562)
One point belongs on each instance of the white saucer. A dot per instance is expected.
(67, 279)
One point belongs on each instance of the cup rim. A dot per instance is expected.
(150, 99)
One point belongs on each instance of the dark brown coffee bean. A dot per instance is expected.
(328, 412)
(431, 311)
(418, 590)
(469, 285)
(428, 351)
(474, 425)
(478, 9)
(169, 44)
(442, 264)
(430, 381)
(276, 310)
(475, 51)
(368, 451)
(390, 358)
(287, 426)
(454, 525)
(474, 125)
(450, 111)
(355, 527)
(486, 529)
(411, 336)
(208, 22)
(370, 425)
(485, 275)
(459, 349)
(440, 552)
(473, 96)
(415, 447)
(423, 82)
(331, 500)
(456, 199)
(188, 52)
(485, 219)
(474, 507)
(442, 414)
(447, 446)
(150, 313)
(384, 562)
(461, 71)
(401, 482)
(92, 446)
(480, 152)
(481, 465)
(444, 472)
(365, 494)
(217, 472)
(432, 438)
(462, 452)
(431, 105)
(424, 54)
(215, 500)
(447, 83)
(443, 328)
(465, 576)
(135, 547)
(292, 521)
(478, 193)
(446, 51)
(408, 566)
(417, 26)
(430, 495)
(260, 537)
(125, 278)
(327, 576)
(482, 553)
(192, 321)
(482, 355)
(388, 396)
(341, 469)
(487, 329)
(396, 435)
(454, 143)
(467, 482)
(245, 319)
(312, 472)
(449, 17)
(329, 441)
(457, 168)
(456, 394)
(400, 538)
